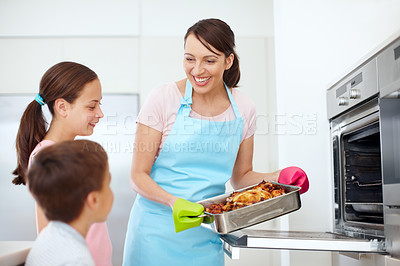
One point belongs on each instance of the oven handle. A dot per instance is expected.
(366, 184)
(355, 181)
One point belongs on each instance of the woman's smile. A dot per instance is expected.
(201, 81)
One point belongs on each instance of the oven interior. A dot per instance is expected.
(363, 201)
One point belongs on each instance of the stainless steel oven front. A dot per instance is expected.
(364, 115)
(353, 113)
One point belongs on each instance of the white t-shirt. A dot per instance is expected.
(97, 238)
(59, 244)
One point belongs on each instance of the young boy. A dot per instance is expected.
(70, 181)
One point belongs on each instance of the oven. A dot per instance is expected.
(353, 106)
(364, 117)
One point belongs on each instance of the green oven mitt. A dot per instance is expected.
(185, 214)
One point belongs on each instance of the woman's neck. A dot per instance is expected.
(207, 104)
(212, 103)
(211, 97)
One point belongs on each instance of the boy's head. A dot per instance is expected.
(67, 175)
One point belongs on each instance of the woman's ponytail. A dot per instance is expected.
(232, 75)
(32, 130)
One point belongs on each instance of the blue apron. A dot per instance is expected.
(195, 162)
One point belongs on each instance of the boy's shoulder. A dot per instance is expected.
(59, 244)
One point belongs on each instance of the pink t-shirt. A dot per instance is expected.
(161, 107)
(97, 238)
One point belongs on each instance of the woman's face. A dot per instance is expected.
(203, 68)
(85, 111)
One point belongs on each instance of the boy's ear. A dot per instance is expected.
(92, 200)
(61, 106)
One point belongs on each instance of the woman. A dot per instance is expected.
(72, 93)
(192, 137)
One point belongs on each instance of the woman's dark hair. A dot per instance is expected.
(218, 34)
(63, 80)
(62, 175)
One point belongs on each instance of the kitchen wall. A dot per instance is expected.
(316, 43)
(135, 46)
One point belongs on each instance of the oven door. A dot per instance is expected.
(296, 240)
(359, 174)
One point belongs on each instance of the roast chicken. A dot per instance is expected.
(260, 192)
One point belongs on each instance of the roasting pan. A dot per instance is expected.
(251, 215)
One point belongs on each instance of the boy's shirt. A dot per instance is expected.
(59, 244)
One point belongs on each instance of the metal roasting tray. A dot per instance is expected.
(250, 215)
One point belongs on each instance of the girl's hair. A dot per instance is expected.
(64, 80)
(62, 175)
(218, 34)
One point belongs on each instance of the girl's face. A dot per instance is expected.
(203, 68)
(85, 111)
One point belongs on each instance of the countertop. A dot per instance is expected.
(14, 252)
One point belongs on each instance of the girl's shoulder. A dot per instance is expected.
(40, 146)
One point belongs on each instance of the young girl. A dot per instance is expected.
(72, 93)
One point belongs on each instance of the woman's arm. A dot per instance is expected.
(147, 141)
(243, 174)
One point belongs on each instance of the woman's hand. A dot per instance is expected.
(185, 214)
(294, 176)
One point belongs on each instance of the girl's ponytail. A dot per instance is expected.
(32, 130)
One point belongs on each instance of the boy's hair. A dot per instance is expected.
(62, 175)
